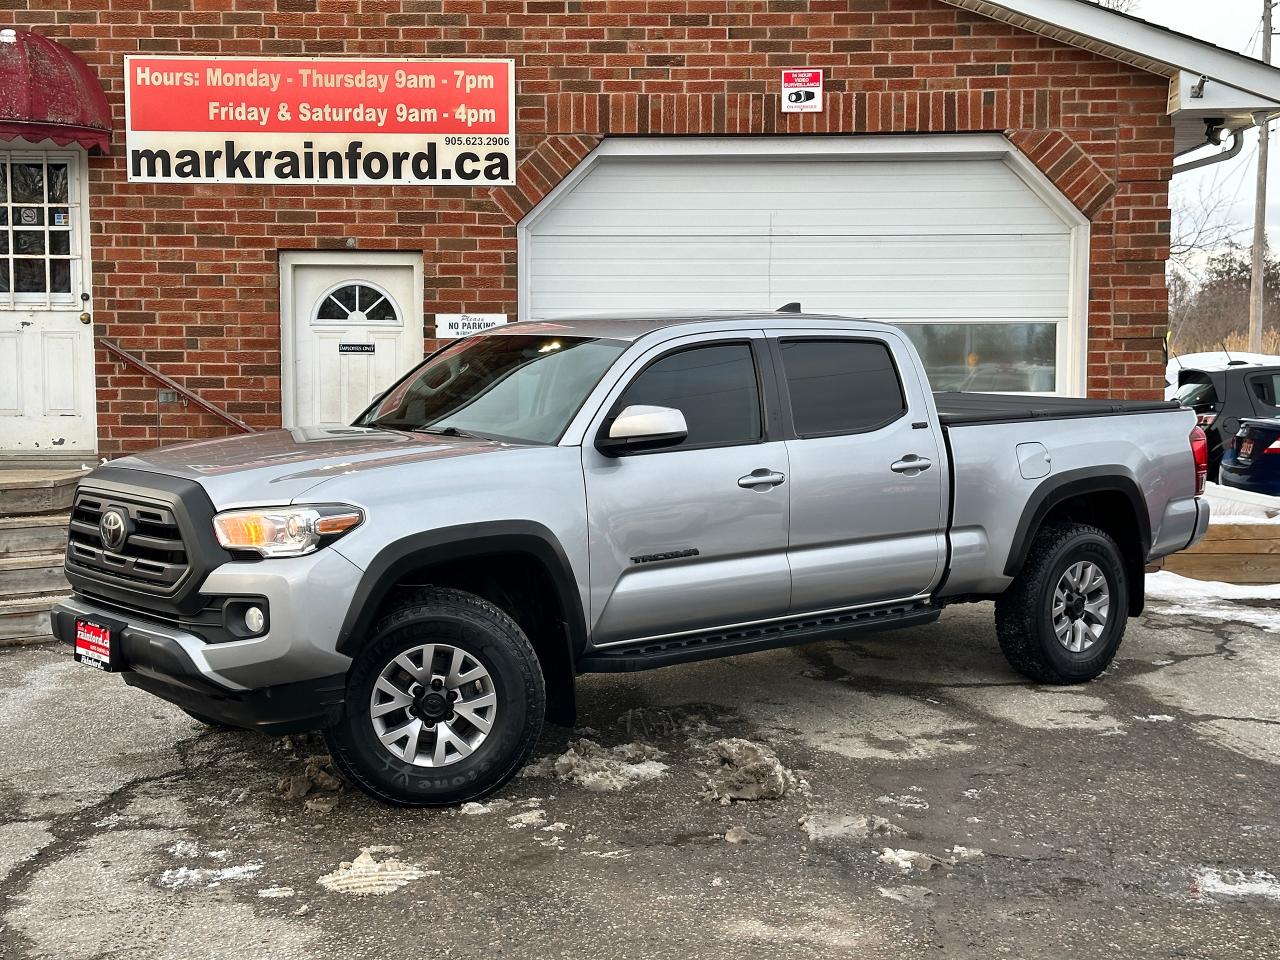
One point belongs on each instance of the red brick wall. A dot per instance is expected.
(186, 275)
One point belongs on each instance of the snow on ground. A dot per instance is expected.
(1229, 505)
(1181, 596)
(1172, 588)
(1236, 883)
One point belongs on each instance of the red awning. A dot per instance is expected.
(47, 92)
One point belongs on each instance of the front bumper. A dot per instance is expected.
(169, 663)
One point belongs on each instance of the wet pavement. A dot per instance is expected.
(932, 804)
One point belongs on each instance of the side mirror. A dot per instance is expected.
(642, 428)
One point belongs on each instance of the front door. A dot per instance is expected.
(868, 480)
(46, 351)
(680, 541)
(351, 323)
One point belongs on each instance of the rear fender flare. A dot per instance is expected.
(1055, 490)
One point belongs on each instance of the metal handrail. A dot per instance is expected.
(138, 363)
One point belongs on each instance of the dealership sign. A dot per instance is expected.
(336, 120)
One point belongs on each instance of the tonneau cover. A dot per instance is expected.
(965, 409)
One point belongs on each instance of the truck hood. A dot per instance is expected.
(278, 466)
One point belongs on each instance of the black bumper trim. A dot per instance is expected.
(160, 666)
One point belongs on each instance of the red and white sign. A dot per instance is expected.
(337, 120)
(801, 91)
(93, 645)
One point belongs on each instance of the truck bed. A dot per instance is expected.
(968, 409)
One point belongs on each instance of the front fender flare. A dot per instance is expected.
(460, 543)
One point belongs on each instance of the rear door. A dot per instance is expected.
(867, 479)
(680, 538)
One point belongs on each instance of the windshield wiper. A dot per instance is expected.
(454, 432)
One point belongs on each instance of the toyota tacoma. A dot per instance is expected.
(546, 500)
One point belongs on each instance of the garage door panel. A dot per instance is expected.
(926, 240)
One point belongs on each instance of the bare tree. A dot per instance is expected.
(1122, 6)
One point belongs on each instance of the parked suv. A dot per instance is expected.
(550, 499)
(1223, 394)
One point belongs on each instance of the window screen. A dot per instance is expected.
(840, 386)
(714, 387)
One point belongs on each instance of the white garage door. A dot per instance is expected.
(962, 253)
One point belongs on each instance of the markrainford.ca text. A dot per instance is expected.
(351, 163)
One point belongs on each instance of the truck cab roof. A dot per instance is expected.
(632, 326)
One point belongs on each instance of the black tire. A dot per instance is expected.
(207, 721)
(1024, 613)
(491, 638)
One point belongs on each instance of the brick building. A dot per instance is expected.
(994, 176)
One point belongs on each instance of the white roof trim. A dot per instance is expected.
(1133, 41)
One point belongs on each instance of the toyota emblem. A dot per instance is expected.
(114, 528)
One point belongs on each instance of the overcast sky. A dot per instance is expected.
(1235, 24)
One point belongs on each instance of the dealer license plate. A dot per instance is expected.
(95, 645)
(1246, 449)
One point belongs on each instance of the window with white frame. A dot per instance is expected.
(40, 234)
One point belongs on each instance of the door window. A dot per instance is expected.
(1266, 388)
(841, 386)
(715, 387)
(38, 242)
(356, 303)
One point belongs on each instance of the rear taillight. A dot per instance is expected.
(1200, 453)
(1274, 448)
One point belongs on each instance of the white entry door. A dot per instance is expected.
(46, 352)
(351, 323)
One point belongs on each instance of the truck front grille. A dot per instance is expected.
(151, 556)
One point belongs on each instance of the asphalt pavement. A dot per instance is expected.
(925, 802)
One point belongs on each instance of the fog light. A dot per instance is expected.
(255, 619)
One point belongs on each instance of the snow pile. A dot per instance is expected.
(747, 771)
(905, 801)
(908, 860)
(1236, 883)
(473, 809)
(1244, 603)
(276, 893)
(530, 818)
(915, 896)
(367, 875)
(965, 853)
(834, 826)
(601, 769)
(319, 776)
(1229, 505)
(181, 878)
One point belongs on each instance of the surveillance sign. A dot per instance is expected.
(364, 122)
(801, 91)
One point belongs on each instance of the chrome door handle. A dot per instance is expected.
(912, 465)
(762, 478)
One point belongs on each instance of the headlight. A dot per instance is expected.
(285, 531)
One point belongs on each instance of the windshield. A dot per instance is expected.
(1197, 392)
(524, 388)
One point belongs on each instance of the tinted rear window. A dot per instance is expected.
(841, 386)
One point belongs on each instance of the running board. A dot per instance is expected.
(650, 654)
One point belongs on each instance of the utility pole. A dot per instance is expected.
(1257, 287)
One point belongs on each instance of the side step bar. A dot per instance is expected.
(650, 654)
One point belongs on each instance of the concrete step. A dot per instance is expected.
(26, 491)
(26, 619)
(33, 533)
(26, 575)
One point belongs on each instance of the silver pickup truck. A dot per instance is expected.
(551, 499)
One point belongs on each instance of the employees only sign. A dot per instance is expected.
(337, 120)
